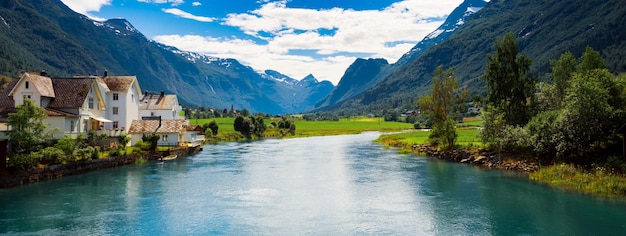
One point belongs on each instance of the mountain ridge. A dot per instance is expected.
(364, 74)
(544, 30)
(47, 35)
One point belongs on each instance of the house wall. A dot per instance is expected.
(193, 137)
(165, 114)
(172, 139)
(21, 90)
(56, 124)
(131, 108)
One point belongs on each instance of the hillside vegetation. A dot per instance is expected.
(544, 29)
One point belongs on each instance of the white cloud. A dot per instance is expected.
(173, 2)
(184, 14)
(84, 7)
(195, 4)
(369, 32)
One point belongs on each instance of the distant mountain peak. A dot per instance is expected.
(310, 77)
(118, 25)
(277, 76)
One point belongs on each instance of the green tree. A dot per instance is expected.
(562, 70)
(238, 123)
(27, 128)
(590, 60)
(440, 106)
(292, 128)
(259, 126)
(591, 113)
(213, 127)
(508, 85)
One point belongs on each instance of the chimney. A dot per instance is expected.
(43, 73)
(106, 73)
(162, 93)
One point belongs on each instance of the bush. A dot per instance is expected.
(23, 161)
(66, 144)
(52, 155)
(87, 153)
(544, 135)
(123, 140)
(152, 140)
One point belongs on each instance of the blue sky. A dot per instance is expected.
(294, 37)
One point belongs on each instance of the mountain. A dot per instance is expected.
(47, 35)
(545, 29)
(364, 74)
(297, 96)
(454, 21)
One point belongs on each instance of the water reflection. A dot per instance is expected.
(320, 185)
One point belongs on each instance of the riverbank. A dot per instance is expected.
(13, 177)
(599, 180)
(481, 157)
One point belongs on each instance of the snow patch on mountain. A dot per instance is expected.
(5, 22)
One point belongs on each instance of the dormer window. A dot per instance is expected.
(26, 84)
(91, 105)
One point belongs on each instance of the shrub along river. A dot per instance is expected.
(320, 185)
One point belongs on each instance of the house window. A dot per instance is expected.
(90, 103)
(116, 96)
(26, 97)
(132, 97)
(26, 84)
(164, 137)
(72, 125)
(116, 110)
(116, 124)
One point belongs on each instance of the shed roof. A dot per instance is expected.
(150, 126)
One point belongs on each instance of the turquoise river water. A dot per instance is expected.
(335, 185)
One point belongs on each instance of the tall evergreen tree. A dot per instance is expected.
(508, 85)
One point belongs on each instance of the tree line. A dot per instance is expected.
(575, 116)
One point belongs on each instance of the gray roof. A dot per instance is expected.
(150, 126)
(158, 102)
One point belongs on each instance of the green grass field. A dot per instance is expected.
(315, 128)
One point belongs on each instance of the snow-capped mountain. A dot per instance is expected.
(455, 20)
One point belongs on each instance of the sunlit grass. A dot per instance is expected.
(311, 128)
(597, 181)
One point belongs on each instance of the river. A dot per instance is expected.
(341, 185)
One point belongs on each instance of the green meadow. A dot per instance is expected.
(306, 128)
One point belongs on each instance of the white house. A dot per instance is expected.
(107, 105)
(73, 105)
(193, 136)
(123, 100)
(164, 105)
(171, 132)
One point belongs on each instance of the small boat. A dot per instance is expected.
(168, 158)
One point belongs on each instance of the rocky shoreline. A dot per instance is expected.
(480, 157)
